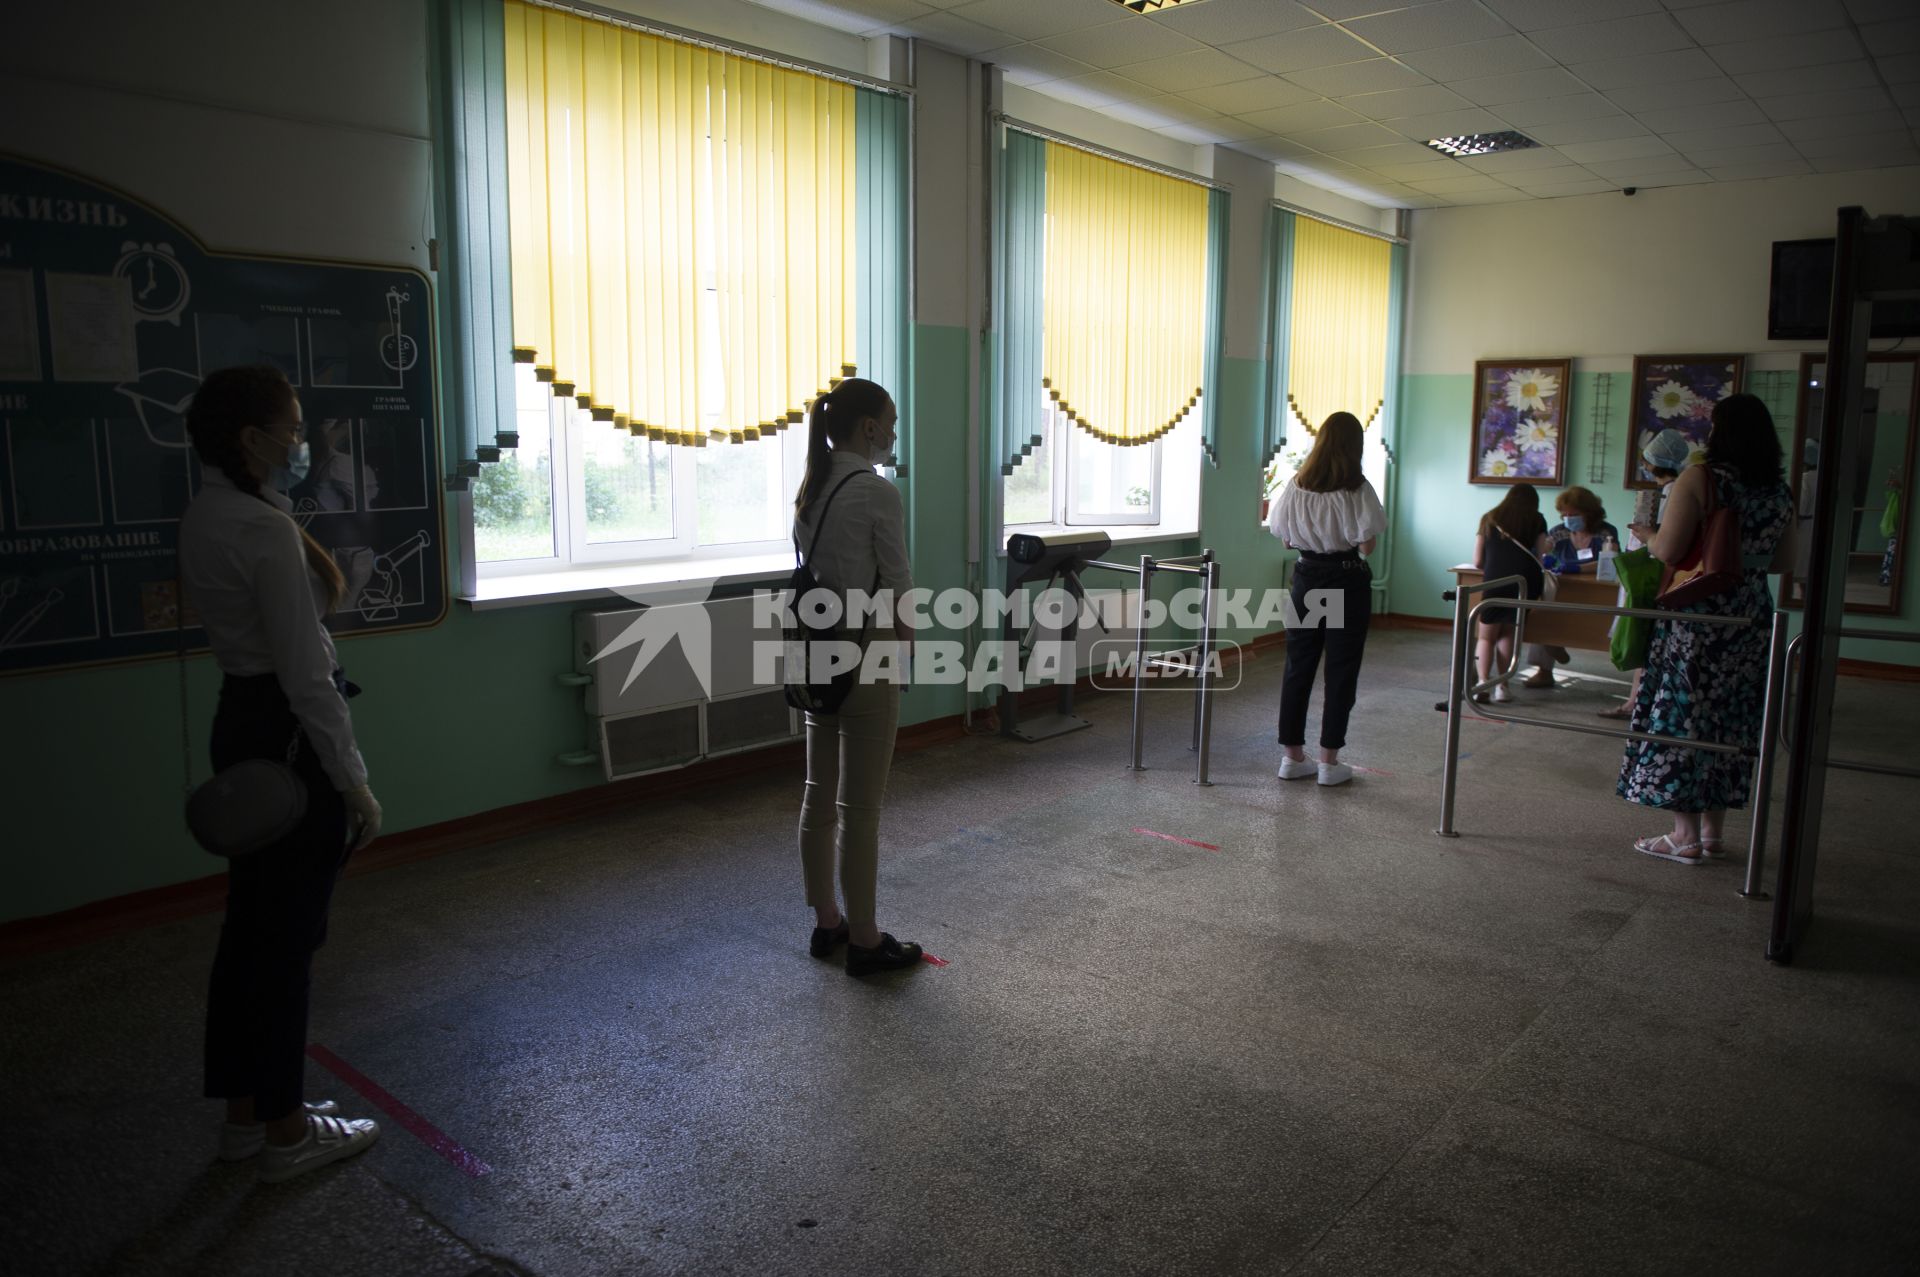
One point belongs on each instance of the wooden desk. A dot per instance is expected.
(1584, 630)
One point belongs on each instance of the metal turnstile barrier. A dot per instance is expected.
(1207, 568)
(1786, 715)
(1460, 687)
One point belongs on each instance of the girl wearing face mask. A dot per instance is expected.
(262, 587)
(1575, 543)
(861, 545)
(1666, 455)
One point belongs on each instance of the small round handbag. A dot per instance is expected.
(250, 805)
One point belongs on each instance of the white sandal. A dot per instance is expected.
(1663, 846)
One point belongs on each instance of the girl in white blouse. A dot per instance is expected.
(262, 586)
(1332, 516)
(861, 544)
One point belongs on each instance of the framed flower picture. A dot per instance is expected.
(1676, 392)
(1520, 421)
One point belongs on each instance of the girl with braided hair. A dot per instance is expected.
(262, 587)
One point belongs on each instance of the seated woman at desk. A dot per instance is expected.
(1575, 543)
(1512, 535)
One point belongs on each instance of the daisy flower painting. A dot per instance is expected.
(1676, 392)
(1519, 421)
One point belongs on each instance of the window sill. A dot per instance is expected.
(1120, 534)
(627, 580)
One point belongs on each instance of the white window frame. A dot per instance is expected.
(1065, 511)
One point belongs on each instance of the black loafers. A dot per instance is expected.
(826, 939)
(888, 955)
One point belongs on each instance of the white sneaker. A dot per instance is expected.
(238, 1143)
(328, 1140)
(1501, 695)
(1295, 768)
(1335, 773)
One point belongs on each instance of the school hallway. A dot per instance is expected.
(1257, 1028)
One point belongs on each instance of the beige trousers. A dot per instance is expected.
(848, 757)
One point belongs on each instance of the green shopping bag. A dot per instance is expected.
(1640, 582)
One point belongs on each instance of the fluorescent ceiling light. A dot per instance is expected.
(1481, 144)
(1151, 6)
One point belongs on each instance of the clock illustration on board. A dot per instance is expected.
(159, 282)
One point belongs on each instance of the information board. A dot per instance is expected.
(110, 314)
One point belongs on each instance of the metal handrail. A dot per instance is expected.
(1792, 675)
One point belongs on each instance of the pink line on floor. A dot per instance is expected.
(423, 1130)
(932, 961)
(1371, 771)
(1170, 838)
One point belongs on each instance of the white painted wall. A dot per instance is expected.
(1604, 277)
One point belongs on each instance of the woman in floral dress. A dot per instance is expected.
(1708, 682)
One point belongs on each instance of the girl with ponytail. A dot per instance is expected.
(850, 524)
(262, 587)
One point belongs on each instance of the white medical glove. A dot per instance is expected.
(363, 815)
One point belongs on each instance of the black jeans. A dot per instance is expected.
(1343, 648)
(277, 902)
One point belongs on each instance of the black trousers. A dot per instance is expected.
(276, 917)
(1343, 648)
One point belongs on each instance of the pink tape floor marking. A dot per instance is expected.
(932, 961)
(423, 1130)
(1170, 838)
(1371, 771)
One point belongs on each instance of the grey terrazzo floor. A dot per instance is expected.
(1336, 1044)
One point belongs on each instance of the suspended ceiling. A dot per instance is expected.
(1343, 93)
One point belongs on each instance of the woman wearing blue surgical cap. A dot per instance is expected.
(1666, 455)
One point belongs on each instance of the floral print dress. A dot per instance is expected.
(1708, 682)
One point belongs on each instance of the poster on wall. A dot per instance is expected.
(1520, 421)
(1676, 392)
(110, 315)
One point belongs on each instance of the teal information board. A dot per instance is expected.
(110, 314)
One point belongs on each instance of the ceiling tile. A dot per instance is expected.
(1655, 97)
(1673, 119)
(1456, 185)
(1738, 135)
(1508, 162)
(1301, 117)
(1882, 38)
(1197, 69)
(1726, 156)
(1536, 15)
(1878, 10)
(1141, 114)
(1624, 148)
(1398, 153)
(1584, 186)
(1096, 90)
(1602, 130)
(1679, 177)
(1177, 109)
(1831, 78)
(1546, 175)
(1481, 58)
(1031, 64)
(1807, 106)
(1447, 124)
(1220, 22)
(1578, 106)
(1905, 95)
(1119, 43)
(1777, 53)
(1031, 21)
(1848, 163)
(1502, 195)
(1619, 38)
(1425, 100)
(1439, 167)
(1654, 68)
(1223, 129)
(1375, 74)
(1346, 137)
(1521, 86)
(1634, 170)
(1856, 143)
(1901, 68)
(1341, 10)
(857, 16)
(958, 34)
(1242, 97)
(1430, 26)
(1299, 50)
(1196, 135)
(1760, 19)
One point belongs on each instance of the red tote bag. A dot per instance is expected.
(1713, 564)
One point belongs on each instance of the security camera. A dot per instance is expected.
(1629, 190)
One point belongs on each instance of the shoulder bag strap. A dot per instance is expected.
(180, 660)
(821, 526)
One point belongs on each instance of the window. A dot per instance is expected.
(690, 268)
(1107, 312)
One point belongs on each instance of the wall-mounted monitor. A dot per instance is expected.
(1802, 292)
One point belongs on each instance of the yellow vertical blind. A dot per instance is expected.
(1125, 317)
(681, 227)
(1337, 350)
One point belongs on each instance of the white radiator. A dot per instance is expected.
(664, 719)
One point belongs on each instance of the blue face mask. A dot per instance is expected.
(1576, 522)
(294, 473)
